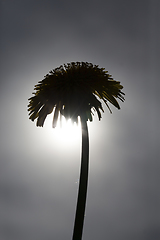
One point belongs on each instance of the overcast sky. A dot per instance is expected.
(38, 169)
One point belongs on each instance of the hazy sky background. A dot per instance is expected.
(38, 169)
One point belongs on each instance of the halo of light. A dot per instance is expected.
(66, 132)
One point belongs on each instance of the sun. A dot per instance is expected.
(65, 133)
(67, 130)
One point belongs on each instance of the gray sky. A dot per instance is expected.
(39, 170)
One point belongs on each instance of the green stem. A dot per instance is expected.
(81, 202)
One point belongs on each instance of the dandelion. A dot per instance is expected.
(73, 90)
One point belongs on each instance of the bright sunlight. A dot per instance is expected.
(66, 132)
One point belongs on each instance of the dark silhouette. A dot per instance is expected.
(72, 90)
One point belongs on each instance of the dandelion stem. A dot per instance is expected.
(82, 193)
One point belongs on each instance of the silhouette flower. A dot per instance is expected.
(74, 90)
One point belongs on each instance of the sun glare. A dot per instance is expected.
(66, 132)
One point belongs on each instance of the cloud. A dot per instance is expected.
(37, 178)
